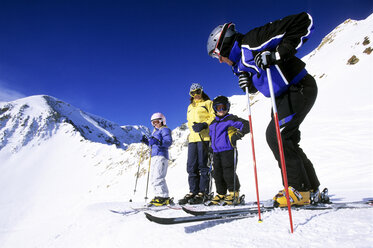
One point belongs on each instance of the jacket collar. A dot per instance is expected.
(218, 118)
(235, 54)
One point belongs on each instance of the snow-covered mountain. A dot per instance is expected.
(62, 170)
(32, 120)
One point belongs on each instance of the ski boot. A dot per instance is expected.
(198, 199)
(319, 197)
(298, 198)
(160, 201)
(324, 196)
(281, 193)
(201, 198)
(186, 199)
(233, 198)
(315, 197)
(217, 200)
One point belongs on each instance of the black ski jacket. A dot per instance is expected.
(285, 36)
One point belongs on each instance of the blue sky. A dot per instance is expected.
(124, 60)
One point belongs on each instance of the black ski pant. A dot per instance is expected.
(224, 172)
(197, 168)
(292, 108)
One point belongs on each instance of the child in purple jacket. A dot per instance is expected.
(225, 130)
(159, 142)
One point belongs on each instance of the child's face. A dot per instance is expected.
(157, 124)
(222, 113)
(221, 109)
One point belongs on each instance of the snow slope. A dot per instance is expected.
(58, 190)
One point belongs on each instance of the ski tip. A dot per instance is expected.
(187, 210)
(149, 216)
(159, 220)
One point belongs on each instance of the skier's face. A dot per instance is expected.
(222, 113)
(221, 109)
(197, 94)
(225, 60)
(157, 123)
(197, 97)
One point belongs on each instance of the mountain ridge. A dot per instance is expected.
(39, 117)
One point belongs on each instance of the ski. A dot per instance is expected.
(150, 208)
(321, 206)
(240, 213)
(192, 218)
(221, 211)
(135, 210)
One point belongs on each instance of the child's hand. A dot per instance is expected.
(154, 141)
(145, 140)
(234, 138)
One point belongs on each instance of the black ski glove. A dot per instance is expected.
(244, 81)
(145, 140)
(235, 137)
(198, 127)
(265, 59)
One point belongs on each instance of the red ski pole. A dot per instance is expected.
(281, 150)
(253, 150)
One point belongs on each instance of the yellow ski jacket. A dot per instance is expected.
(200, 111)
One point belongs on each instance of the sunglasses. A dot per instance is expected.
(196, 92)
(156, 121)
(220, 107)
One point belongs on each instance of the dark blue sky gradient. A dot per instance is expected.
(124, 60)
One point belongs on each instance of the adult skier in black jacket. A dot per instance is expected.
(274, 46)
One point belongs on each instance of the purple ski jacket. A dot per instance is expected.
(164, 136)
(219, 128)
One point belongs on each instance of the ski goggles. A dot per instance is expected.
(220, 107)
(216, 52)
(156, 121)
(195, 92)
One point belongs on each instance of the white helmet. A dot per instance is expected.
(217, 37)
(158, 116)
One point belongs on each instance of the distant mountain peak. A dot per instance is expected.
(36, 118)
